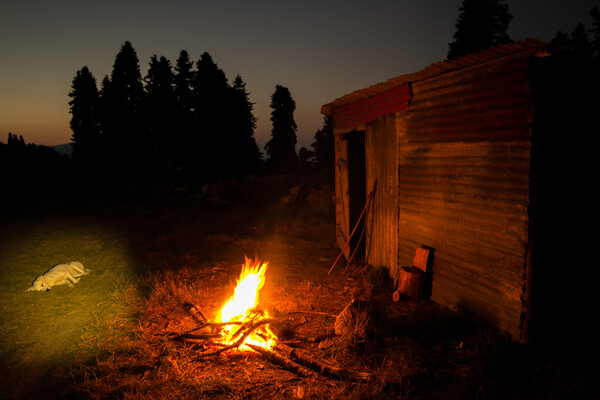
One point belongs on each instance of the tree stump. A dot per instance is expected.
(410, 283)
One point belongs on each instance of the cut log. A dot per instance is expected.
(411, 282)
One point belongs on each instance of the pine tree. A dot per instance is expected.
(183, 81)
(160, 111)
(306, 160)
(244, 154)
(84, 121)
(580, 43)
(105, 120)
(183, 128)
(121, 100)
(210, 93)
(324, 146)
(480, 25)
(281, 148)
(560, 40)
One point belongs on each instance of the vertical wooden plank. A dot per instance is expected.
(381, 164)
(342, 211)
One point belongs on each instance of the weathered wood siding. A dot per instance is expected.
(464, 160)
(342, 209)
(381, 155)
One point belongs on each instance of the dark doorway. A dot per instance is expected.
(356, 188)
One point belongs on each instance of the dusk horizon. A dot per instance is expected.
(320, 52)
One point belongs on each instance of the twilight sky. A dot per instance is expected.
(319, 50)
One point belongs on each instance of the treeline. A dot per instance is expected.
(188, 118)
(482, 24)
(29, 165)
(578, 42)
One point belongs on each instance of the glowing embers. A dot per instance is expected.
(243, 319)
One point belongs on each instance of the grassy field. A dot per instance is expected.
(43, 332)
(110, 336)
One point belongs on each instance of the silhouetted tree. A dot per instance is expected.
(188, 120)
(480, 25)
(244, 155)
(121, 98)
(183, 81)
(160, 108)
(84, 121)
(324, 145)
(209, 145)
(560, 40)
(182, 125)
(15, 141)
(580, 43)
(281, 148)
(32, 169)
(306, 160)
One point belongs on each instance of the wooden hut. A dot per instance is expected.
(485, 160)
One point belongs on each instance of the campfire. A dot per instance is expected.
(242, 324)
(242, 314)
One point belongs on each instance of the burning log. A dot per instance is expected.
(243, 333)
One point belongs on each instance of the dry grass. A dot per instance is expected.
(112, 326)
(119, 321)
(426, 353)
(153, 361)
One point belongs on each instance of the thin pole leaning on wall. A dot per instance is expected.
(362, 214)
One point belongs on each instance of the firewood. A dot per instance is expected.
(303, 358)
(195, 336)
(294, 360)
(283, 361)
(194, 312)
(247, 329)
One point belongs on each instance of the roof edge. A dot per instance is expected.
(439, 68)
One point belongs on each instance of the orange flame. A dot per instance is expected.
(241, 307)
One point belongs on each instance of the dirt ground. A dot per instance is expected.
(153, 253)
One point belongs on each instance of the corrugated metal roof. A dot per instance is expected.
(438, 68)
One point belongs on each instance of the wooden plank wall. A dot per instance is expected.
(464, 159)
(381, 158)
(342, 210)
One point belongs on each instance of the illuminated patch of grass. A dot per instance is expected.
(113, 325)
